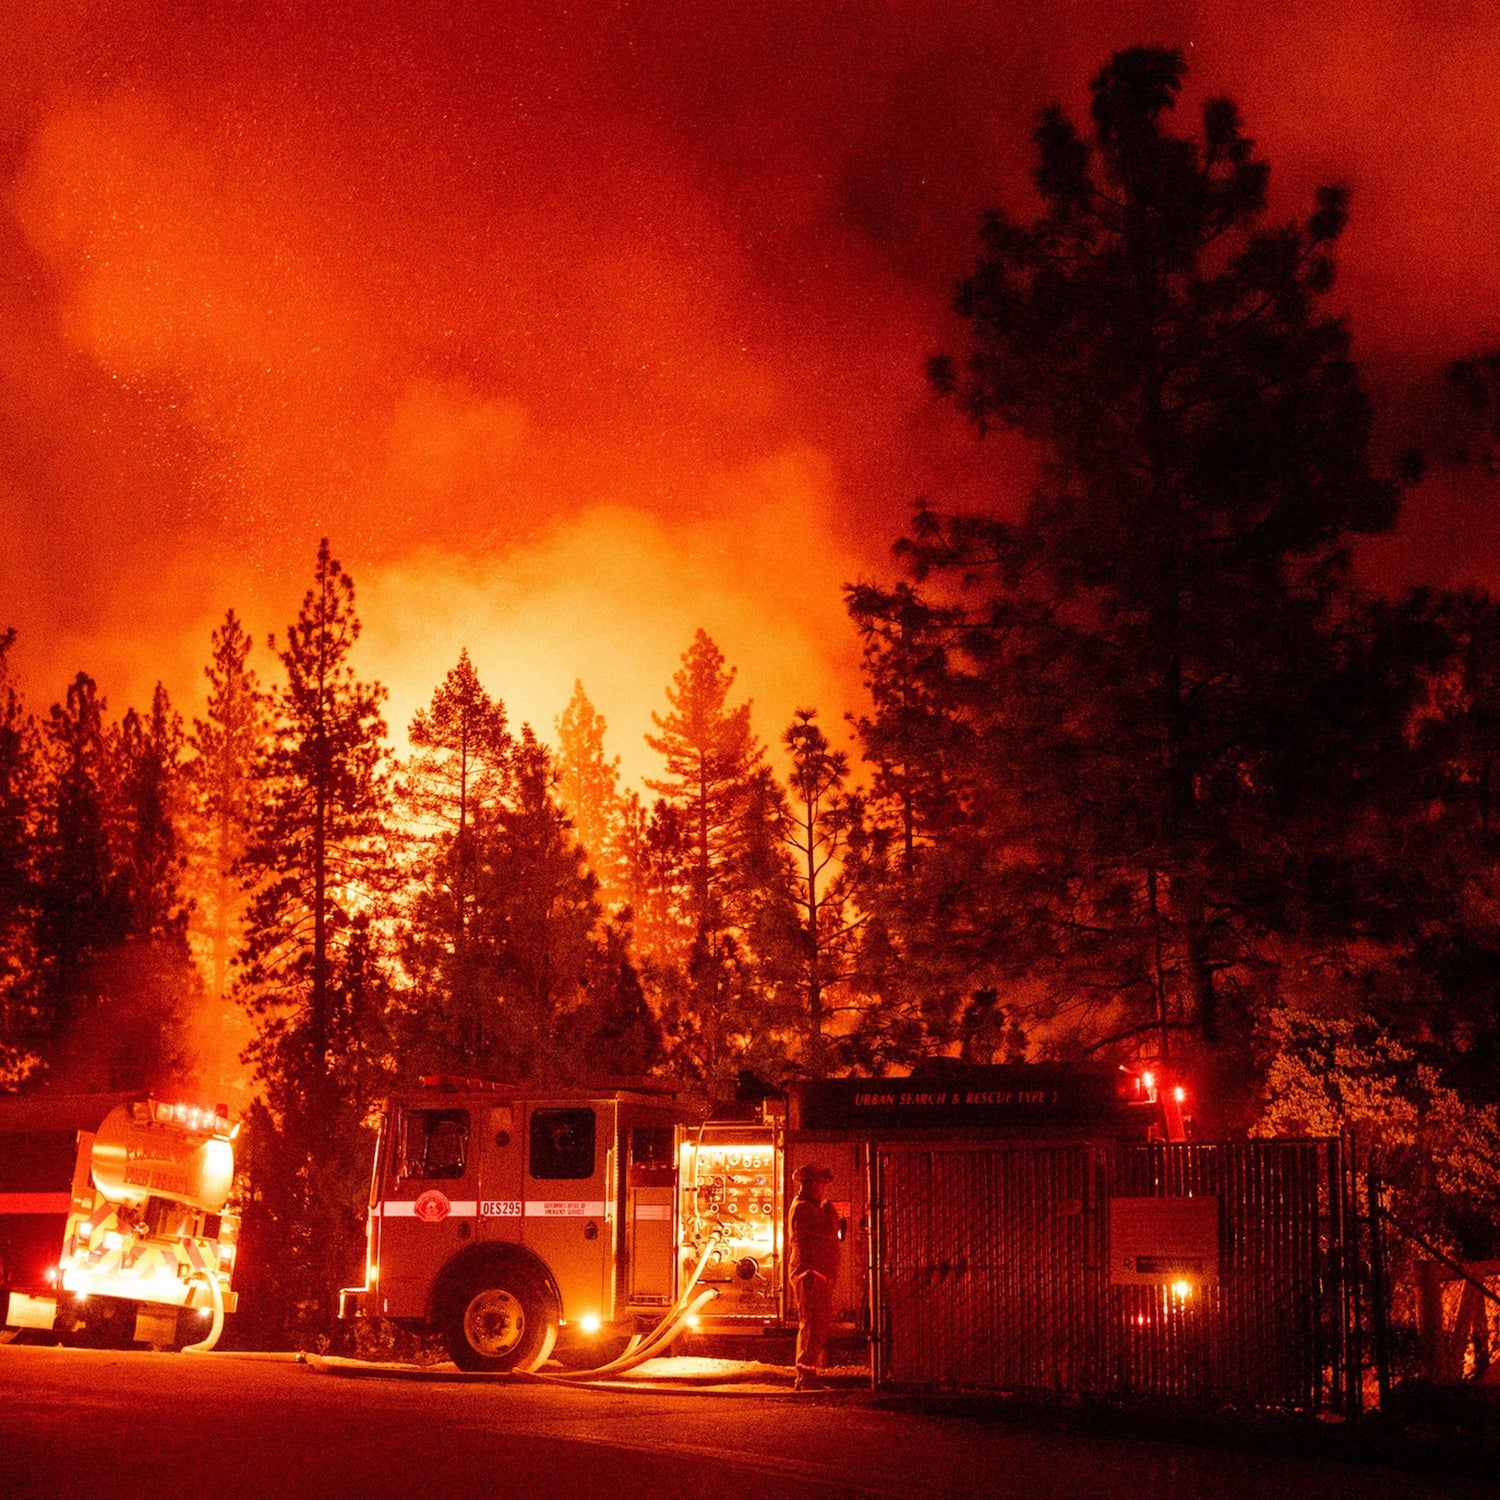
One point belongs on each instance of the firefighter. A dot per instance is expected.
(815, 1264)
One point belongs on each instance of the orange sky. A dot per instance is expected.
(575, 328)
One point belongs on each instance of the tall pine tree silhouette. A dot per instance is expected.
(535, 923)
(720, 1010)
(711, 756)
(461, 773)
(226, 747)
(1138, 660)
(318, 863)
(819, 819)
(588, 782)
(82, 905)
(19, 799)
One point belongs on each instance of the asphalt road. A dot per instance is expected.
(77, 1423)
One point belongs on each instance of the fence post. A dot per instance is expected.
(875, 1248)
(1379, 1289)
(1354, 1354)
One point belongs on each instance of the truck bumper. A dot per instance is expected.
(159, 1291)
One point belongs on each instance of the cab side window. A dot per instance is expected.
(651, 1147)
(562, 1143)
(434, 1143)
(653, 1156)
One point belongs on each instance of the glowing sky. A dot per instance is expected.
(578, 326)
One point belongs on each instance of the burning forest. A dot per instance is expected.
(1145, 745)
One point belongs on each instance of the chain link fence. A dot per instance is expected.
(1061, 1271)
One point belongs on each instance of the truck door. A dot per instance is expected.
(430, 1204)
(500, 1191)
(650, 1232)
(564, 1223)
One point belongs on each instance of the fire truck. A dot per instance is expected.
(508, 1220)
(113, 1220)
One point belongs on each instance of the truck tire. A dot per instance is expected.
(499, 1318)
(97, 1323)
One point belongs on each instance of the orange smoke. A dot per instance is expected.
(599, 326)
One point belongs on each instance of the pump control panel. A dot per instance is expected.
(731, 1187)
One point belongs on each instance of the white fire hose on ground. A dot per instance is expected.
(216, 1296)
(659, 1339)
(639, 1350)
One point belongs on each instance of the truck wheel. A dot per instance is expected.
(499, 1320)
(97, 1323)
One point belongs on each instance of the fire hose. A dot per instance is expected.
(660, 1338)
(216, 1297)
(639, 1350)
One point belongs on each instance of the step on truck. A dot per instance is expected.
(114, 1219)
(512, 1221)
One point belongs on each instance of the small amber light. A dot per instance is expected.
(589, 1322)
(1182, 1290)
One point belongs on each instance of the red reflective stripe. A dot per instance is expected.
(35, 1203)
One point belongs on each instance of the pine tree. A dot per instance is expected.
(722, 1010)
(82, 904)
(463, 763)
(911, 740)
(619, 1033)
(817, 824)
(1439, 874)
(118, 983)
(19, 794)
(152, 989)
(318, 853)
(318, 866)
(149, 755)
(916, 863)
(226, 746)
(588, 782)
(654, 853)
(460, 775)
(1138, 662)
(711, 756)
(535, 921)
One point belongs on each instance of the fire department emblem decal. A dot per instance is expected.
(431, 1206)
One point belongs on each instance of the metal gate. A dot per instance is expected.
(994, 1272)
